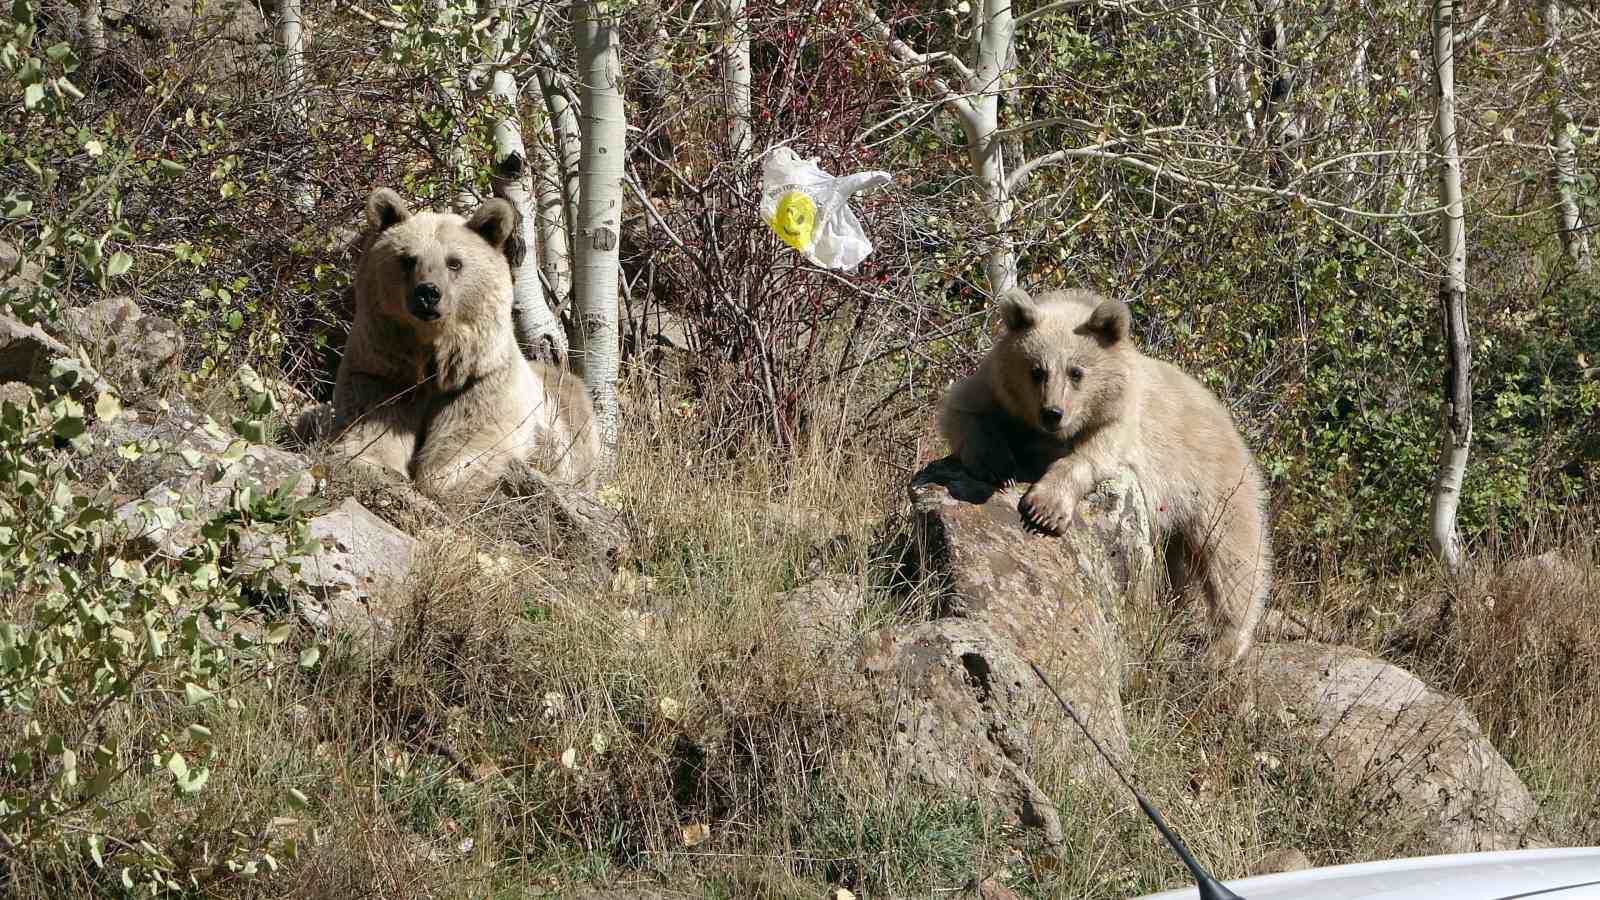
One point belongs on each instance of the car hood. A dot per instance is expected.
(1560, 874)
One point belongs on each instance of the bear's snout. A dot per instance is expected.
(1050, 416)
(425, 299)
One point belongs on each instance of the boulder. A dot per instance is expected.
(355, 587)
(820, 615)
(26, 352)
(178, 457)
(1548, 606)
(965, 708)
(581, 522)
(133, 350)
(1413, 755)
(1281, 860)
(962, 708)
(1056, 599)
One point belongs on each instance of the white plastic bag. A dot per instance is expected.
(810, 210)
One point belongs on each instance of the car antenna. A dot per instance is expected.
(1210, 888)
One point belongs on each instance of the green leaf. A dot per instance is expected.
(296, 799)
(177, 766)
(172, 167)
(194, 694)
(277, 634)
(120, 263)
(107, 406)
(309, 656)
(96, 842)
(32, 95)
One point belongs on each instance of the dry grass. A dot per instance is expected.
(534, 727)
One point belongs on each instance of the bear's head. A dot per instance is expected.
(428, 268)
(1063, 363)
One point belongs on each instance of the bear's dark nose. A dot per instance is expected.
(1050, 415)
(425, 300)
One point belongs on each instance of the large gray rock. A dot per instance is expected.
(26, 352)
(1414, 755)
(583, 526)
(1056, 599)
(356, 586)
(131, 349)
(961, 708)
(958, 695)
(178, 458)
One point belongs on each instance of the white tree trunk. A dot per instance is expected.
(994, 34)
(290, 31)
(1456, 437)
(555, 259)
(977, 108)
(596, 345)
(1192, 18)
(568, 142)
(736, 78)
(1241, 85)
(92, 33)
(1564, 172)
(538, 333)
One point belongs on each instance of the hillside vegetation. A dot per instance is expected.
(1262, 191)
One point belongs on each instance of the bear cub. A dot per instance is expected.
(1064, 400)
(432, 383)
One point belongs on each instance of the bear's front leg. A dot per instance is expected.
(376, 423)
(1049, 503)
(987, 457)
(472, 436)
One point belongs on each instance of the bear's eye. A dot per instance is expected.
(1076, 374)
(1039, 374)
(408, 262)
(453, 263)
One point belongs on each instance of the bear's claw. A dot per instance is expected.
(1045, 511)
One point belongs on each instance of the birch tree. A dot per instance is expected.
(596, 346)
(736, 77)
(538, 333)
(974, 99)
(555, 255)
(561, 187)
(1564, 168)
(290, 33)
(1456, 436)
(92, 33)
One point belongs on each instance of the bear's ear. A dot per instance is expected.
(1018, 310)
(1108, 323)
(385, 209)
(496, 222)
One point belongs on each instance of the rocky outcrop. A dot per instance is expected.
(26, 352)
(583, 526)
(1056, 600)
(960, 707)
(355, 587)
(1413, 755)
(964, 707)
(132, 350)
(177, 457)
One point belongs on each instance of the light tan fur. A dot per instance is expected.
(1064, 400)
(432, 384)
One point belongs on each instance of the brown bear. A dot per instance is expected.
(1064, 400)
(432, 384)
